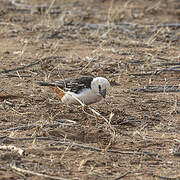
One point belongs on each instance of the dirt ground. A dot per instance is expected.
(135, 45)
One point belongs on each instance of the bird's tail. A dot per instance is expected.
(54, 86)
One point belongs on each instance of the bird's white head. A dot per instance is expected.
(100, 86)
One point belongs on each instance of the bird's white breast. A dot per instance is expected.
(87, 96)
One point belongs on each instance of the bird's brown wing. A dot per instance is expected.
(74, 85)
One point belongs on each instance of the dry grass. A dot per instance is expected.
(132, 134)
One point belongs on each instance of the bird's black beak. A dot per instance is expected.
(103, 93)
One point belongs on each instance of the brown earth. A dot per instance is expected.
(134, 44)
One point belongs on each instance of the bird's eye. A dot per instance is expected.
(99, 88)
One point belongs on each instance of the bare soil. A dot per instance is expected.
(135, 45)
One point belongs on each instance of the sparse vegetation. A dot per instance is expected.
(133, 133)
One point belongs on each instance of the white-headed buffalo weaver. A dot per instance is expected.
(88, 90)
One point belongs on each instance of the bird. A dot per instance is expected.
(85, 89)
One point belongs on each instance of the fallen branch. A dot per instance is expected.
(129, 122)
(13, 166)
(3, 97)
(6, 139)
(170, 64)
(30, 126)
(176, 69)
(176, 25)
(142, 74)
(108, 150)
(123, 175)
(14, 75)
(159, 71)
(170, 25)
(157, 89)
(32, 64)
(166, 178)
(92, 26)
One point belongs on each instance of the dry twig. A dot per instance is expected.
(32, 64)
(123, 175)
(166, 178)
(158, 72)
(30, 126)
(175, 69)
(13, 166)
(73, 144)
(157, 89)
